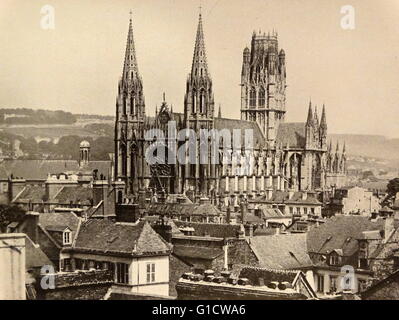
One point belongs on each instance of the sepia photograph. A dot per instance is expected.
(209, 150)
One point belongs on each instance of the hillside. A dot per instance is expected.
(368, 145)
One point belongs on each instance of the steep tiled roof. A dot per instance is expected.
(32, 193)
(39, 169)
(74, 194)
(292, 134)
(340, 232)
(103, 235)
(197, 252)
(283, 251)
(211, 229)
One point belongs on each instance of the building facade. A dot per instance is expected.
(283, 156)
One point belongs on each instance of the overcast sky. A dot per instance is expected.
(76, 66)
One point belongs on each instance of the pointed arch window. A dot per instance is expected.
(261, 97)
(202, 101)
(193, 106)
(252, 97)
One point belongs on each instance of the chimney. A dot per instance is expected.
(32, 229)
(243, 209)
(164, 229)
(228, 215)
(55, 183)
(101, 193)
(15, 186)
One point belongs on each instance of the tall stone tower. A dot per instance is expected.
(263, 83)
(129, 125)
(199, 111)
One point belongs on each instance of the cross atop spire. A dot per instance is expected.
(199, 67)
(130, 68)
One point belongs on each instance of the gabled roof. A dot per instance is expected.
(107, 237)
(340, 232)
(282, 251)
(291, 134)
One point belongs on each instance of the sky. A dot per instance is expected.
(76, 66)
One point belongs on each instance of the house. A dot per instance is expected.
(344, 245)
(353, 200)
(290, 203)
(250, 284)
(135, 254)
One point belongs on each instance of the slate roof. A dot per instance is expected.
(39, 169)
(197, 252)
(340, 232)
(31, 193)
(292, 134)
(186, 209)
(131, 239)
(59, 220)
(231, 124)
(282, 251)
(211, 229)
(74, 194)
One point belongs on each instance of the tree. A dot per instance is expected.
(10, 214)
(393, 187)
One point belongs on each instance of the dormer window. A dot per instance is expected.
(67, 237)
(335, 259)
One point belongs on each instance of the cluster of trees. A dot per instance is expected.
(29, 116)
(67, 148)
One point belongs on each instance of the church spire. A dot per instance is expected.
(199, 66)
(220, 111)
(323, 121)
(130, 68)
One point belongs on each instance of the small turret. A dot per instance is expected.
(309, 121)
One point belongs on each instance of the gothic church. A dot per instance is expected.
(286, 156)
